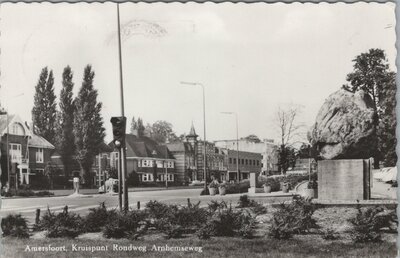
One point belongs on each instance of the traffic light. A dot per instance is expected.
(118, 127)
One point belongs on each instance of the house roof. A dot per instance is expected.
(39, 142)
(179, 147)
(144, 147)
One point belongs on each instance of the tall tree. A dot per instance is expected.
(88, 124)
(44, 110)
(289, 129)
(372, 74)
(66, 142)
(140, 127)
(162, 132)
(387, 122)
(134, 126)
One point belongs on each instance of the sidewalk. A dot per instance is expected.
(65, 192)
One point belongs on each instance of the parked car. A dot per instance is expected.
(196, 183)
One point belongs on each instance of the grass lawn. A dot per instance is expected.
(215, 247)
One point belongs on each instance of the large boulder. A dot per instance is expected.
(345, 126)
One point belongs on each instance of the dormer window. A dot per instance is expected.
(17, 129)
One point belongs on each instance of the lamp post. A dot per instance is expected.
(123, 150)
(204, 130)
(237, 143)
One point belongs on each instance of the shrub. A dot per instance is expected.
(329, 234)
(213, 184)
(44, 193)
(368, 222)
(64, 224)
(241, 187)
(245, 202)
(97, 218)
(293, 218)
(125, 225)
(216, 205)
(227, 222)
(157, 209)
(15, 226)
(205, 232)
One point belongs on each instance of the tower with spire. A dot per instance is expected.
(191, 138)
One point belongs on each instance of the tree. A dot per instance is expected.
(44, 109)
(134, 125)
(162, 132)
(66, 142)
(88, 124)
(387, 122)
(289, 129)
(286, 158)
(140, 127)
(371, 74)
(253, 138)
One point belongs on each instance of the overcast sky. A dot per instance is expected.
(250, 57)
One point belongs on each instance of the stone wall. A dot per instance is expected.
(344, 179)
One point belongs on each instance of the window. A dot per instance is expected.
(234, 161)
(247, 162)
(39, 155)
(230, 160)
(17, 129)
(15, 152)
(242, 161)
(147, 163)
(258, 163)
(170, 164)
(147, 177)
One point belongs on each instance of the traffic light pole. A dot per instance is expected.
(123, 150)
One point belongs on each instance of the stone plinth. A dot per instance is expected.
(344, 179)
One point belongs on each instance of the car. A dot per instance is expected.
(196, 183)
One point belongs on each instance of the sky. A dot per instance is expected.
(251, 58)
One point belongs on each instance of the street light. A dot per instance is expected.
(237, 143)
(122, 150)
(204, 123)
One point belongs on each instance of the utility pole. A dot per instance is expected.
(123, 149)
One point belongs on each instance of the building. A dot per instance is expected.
(189, 157)
(24, 154)
(249, 162)
(99, 170)
(146, 158)
(267, 148)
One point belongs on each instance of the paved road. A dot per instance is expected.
(81, 204)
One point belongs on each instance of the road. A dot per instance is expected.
(27, 206)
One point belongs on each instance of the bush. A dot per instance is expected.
(97, 218)
(156, 209)
(44, 193)
(329, 234)
(216, 205)
(368, 223)
(245, 202)
(125, 225)
(64, 224)
(293, 218)
(15, 226)
(174, 220)
(241, 187)
(227, 222)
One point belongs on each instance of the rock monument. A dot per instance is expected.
(345, 126)
(344, 136)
